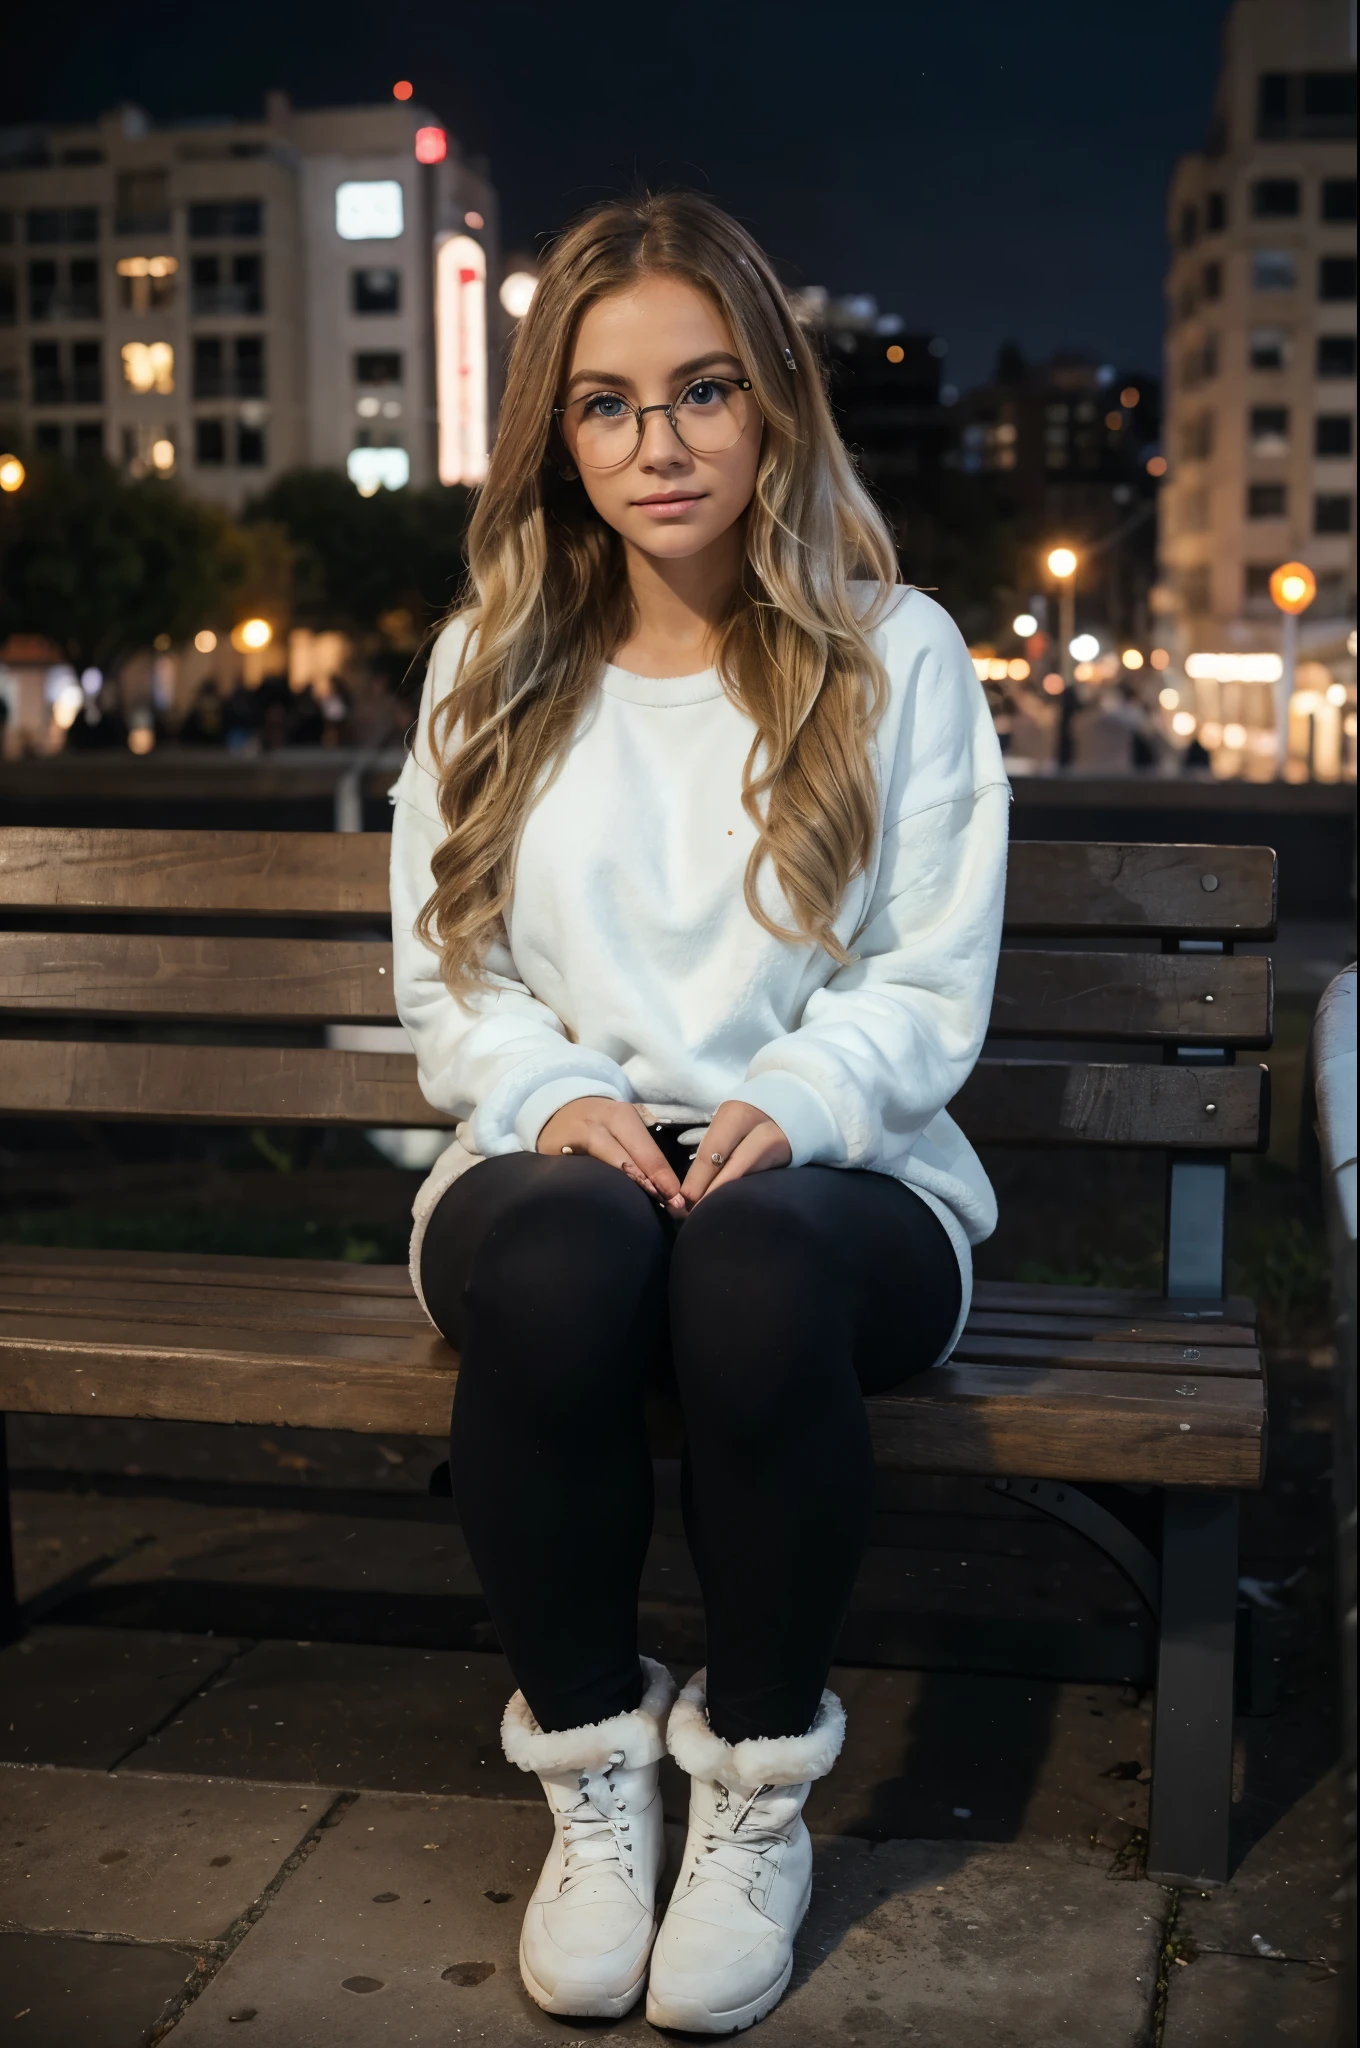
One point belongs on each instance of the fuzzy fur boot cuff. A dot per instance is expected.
(639, 1735)
(761, 1760)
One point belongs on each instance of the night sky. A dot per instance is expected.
(985, 168)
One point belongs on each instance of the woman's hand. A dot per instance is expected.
(599, 1127)
(746, 1141)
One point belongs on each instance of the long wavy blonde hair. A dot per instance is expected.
(548, 597)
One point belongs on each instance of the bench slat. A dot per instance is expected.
(237, 874)
(208, 1269)
(1054, 887)
(136, 1296)
(229, 1269)
(1131, 1429)
(1134, 997)
(959, 1418)
(1181, 998)
(1205, 892)
(1058, 1299)
(112, 974)
(1182, 1358)
(1004, 1102)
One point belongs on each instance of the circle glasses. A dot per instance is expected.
(603, 430)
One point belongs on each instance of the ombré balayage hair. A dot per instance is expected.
(547, 597)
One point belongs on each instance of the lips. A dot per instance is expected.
(671, 498)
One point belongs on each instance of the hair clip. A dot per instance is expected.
(788, 358)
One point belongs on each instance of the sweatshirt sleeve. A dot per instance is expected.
(497, 1058)
(888, 1041)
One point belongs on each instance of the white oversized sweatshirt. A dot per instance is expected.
(631, 967)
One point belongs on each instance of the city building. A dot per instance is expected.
(1261, 343)
(227, 300)
(1070, 451)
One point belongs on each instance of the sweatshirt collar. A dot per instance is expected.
(660, 691)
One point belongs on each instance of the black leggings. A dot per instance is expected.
(785, 1298)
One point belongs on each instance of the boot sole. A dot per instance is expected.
(689, 2016)
(600, 2007)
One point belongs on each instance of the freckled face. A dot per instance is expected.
(662, 342)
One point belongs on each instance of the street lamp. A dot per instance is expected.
(1062, 566)
(12, 473)
(1293, 586)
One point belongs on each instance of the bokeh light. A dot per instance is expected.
(1156, 465)
(1183, 724)
(517, 293)
(1025, 625)
(403, 89)
(205, 641)
(1168, 698)
(1062, 562)
(1131, 658)
(1160, 658)
(1130, 396)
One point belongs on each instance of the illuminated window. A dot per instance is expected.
(369, 210)
(378, 469)
(146, 283)
(149, 366)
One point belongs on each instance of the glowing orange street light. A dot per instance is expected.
(251, 635)
(1293, 586)
(12, 473)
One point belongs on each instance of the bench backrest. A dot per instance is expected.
(108, 930)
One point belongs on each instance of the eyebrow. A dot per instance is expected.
(681, 370)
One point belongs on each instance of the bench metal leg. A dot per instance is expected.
(1192, 1744)
(10, 1623)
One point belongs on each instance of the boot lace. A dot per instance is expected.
(734, 1852)
(595, 1830)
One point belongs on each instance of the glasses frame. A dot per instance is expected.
(640, 412)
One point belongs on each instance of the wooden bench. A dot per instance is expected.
(1063, 1395)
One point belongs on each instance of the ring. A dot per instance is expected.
(717, 1158)
(566, 1148)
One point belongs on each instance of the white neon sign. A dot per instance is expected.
(369, 210)
(460, 359)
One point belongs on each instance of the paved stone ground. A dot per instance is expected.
(223, 1836)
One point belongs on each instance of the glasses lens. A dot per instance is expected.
(601, 430)
(712, 414)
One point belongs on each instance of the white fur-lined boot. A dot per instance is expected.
(725, 1951)
(591, 1921)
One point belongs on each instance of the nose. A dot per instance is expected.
(661, 447)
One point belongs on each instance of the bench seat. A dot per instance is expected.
(1053, 1383)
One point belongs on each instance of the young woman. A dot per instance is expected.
(696, 885)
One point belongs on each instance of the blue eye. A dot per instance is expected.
(605, 405)
(705, 394)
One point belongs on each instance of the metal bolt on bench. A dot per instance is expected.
(1094, 1395)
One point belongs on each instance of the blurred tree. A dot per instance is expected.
(390, 564)
(102, 566)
